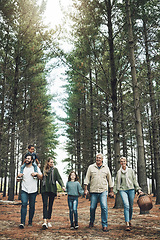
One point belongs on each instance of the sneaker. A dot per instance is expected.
(90, 225)
(49, 224)
(44, 226)
(128, 228)
(76, 226)
(21, 225)
(29, 224)
(71, 227)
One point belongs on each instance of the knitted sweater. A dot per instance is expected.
(74, 188)
(122, 184)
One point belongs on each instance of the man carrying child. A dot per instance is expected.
(29, 189)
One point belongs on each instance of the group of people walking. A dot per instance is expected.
(99, 179)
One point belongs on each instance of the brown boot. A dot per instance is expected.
(127, 226)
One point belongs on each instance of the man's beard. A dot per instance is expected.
(27, 163)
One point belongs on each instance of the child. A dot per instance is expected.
(34, 155)
(73, 189)
(35, 159)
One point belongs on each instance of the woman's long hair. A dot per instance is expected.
(47, 167)
(76, 178)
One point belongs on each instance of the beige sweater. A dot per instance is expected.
(99, 179)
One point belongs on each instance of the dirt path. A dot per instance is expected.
(144, 226)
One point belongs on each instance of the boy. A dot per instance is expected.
(35, 161)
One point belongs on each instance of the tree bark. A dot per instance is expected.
(124, 143)
(13, 129)
(118, 201)
(153, 117)
(113, 88)
(140, 145)
(78, 143)
(91, 119)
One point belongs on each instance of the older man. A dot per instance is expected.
(99, 177)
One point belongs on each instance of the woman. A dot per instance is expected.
(126, 184)
(49, 190)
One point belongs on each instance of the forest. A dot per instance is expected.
(113, 103)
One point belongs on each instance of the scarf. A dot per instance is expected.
(128, 181)
(51, 177)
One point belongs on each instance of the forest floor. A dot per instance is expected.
(145, 226)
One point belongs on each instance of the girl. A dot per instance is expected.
(73, 189)
(49, 190)
(126, 184)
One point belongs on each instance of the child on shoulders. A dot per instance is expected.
(35, 161)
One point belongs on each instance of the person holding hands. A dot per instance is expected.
(49, 190)
(126, 184)
(99, 177)
(28, 190)
(73, 189)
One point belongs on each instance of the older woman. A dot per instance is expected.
(126, 184)
(49, 190)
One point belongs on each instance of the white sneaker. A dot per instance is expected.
(49, 224)
(76, 227)
(21, 225)
(44, 226)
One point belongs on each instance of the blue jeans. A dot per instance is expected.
(73, 204)
(24, 198)
(104, 208)
(127, 198)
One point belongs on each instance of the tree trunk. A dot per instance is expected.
(140, 146)
(113, 88)
(3, 91)
(124, 143)
(1, 184)
(118, 201)
(91, 120)
(78, 143)
(108, 138)
(151, 151)
(101, 130)
(85, 141)
(153, 117)
(13, 129)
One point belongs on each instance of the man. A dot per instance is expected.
(99, 177)
(29, 189)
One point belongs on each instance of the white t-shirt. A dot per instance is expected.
(29, 184)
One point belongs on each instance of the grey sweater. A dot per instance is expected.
(74, 188)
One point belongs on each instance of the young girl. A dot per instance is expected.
(73, 189)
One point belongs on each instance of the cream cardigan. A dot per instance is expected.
(131, 182)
